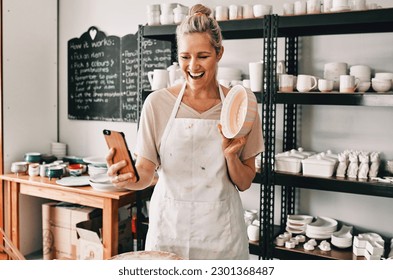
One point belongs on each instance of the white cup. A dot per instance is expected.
(381, 85)
(300, 7)
(246, 83)
(340, 4)
(358, 5)
(34, 169)
(305, 83)
(248, 11)
(158, 78)
(384, 76)
(313, 6)
(325, 85)
(333, 70)
(348, 83)
(327, 5)
(288, 9)
(235, 12)
(285, 83)
(261, 10)
(221, 13)
(372, 6)
(253, 232)
(256, 76)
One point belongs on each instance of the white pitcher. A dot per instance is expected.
(159, 78)
(174, 73)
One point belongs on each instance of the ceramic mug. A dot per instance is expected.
(235, 12)
(305, 83)
(313, 6)
(300, 8)
(256, 76)
(248, 11)
(159, 78)
(285, 83)
(253, 232)
(261, 10)
(325, 85)
(288, 9)
(348, 83)
(221, 13)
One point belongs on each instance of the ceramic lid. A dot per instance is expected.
(320, 160)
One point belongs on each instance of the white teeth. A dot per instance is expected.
(196, 74)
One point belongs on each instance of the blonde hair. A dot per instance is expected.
(200, 21)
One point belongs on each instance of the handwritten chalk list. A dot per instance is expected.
(103, 74)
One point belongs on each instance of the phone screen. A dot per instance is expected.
(117, 140)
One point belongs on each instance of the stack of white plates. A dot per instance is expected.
(102, 183)
(59, 150)
(297, 223)
(95, 166)
(343, 237)
(322, 228)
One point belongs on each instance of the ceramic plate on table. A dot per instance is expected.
(105, 187)
(96, 161)
(74, 181)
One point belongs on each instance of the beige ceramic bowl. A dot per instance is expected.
(238, 113)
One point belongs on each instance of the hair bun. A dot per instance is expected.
(199, 10)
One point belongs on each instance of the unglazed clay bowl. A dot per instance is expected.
(238, 113)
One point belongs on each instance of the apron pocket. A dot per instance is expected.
(210, 222)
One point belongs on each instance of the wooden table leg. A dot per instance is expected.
(2, 208)
(14, 213)
(110, 227)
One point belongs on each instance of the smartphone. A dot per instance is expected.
(117, 140)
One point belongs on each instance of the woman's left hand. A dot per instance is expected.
(231, 146)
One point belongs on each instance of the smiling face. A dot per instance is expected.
(198, 60)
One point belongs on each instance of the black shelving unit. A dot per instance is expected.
(231, 30)
(291, 28)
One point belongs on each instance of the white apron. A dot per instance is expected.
(195, 210)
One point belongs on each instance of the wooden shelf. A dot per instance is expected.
(299, 253)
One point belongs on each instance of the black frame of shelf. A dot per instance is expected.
(291, 28)
(379, 20)
(230, 29)
(336, 184)
(350, 99)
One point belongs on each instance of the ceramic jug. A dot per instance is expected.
(174, 73)
(159, 78)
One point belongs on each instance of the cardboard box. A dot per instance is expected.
(59, 221)
(90, 245)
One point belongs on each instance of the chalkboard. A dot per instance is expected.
(103, 74)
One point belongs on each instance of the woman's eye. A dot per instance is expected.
(184, 57)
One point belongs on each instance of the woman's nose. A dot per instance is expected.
(193, 64)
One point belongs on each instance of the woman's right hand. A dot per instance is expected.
(145, 167)
(118, 180)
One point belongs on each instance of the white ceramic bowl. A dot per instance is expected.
(323, 224)
(363, 86)
(238, 113)
(381, 85)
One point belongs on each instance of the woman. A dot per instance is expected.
(195, 210)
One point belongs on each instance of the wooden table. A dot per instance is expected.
(42, 187)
